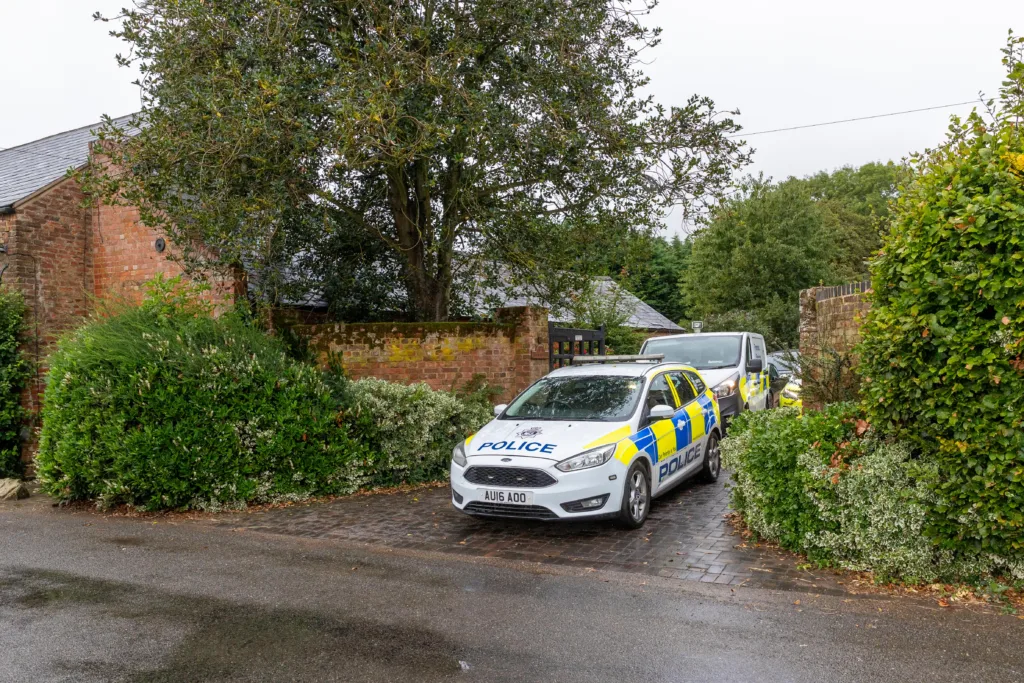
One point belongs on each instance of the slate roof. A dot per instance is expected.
(641, 315)
(34, 165)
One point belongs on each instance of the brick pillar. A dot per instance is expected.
(809, 321)
(530, 344)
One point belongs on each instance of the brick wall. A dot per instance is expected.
(831, 316)
(830, 319)
(510, 353)
(64, 258)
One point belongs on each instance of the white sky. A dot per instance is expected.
(782, 63)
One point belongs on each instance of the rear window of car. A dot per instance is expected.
(594, 398)
(698, 384)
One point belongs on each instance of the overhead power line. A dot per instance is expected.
(859, 118)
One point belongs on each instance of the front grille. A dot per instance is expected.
(504, 510)
(511, 477)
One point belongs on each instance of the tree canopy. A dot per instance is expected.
(757, 249)
(392, 147)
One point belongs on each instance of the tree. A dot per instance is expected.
(855, 206)
(656, 278)
(445, 136)
(754, 254)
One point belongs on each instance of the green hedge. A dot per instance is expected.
(164, 406)
(943, 345)
(14, 370)
(825, 484)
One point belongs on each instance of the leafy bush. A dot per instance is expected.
(770, 489)
(943, 350)
(13, 373)
(826, 485)
(163, 406)
(408, 431)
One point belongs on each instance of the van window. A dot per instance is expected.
(759, 349)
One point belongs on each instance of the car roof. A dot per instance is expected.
(626, 369)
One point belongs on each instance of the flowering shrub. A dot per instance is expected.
(13, 372)
(826, 485)
(408, 431)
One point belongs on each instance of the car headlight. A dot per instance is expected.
(587, 459)
(459, 454)
(726, 388)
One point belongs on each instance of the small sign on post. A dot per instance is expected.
(697, 326)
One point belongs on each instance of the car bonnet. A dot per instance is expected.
(544, 439)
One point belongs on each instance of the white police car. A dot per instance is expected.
(591, 441)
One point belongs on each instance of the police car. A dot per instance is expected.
(595, 440)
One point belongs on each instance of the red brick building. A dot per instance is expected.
(63, 256)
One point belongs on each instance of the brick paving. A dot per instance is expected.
(687, 537)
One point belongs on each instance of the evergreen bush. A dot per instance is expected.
(943, 352)
(828, 485)
(14, 370)
(165, 406)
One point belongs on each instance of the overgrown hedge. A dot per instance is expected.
(14, 370)
(943, 350)
(164, 406)
(826, 484)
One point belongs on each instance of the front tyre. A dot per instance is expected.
(712, 466)
(636, 499)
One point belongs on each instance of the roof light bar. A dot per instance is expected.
(649, 358)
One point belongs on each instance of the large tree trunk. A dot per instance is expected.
(426, 267)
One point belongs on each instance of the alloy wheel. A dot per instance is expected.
(638, 495)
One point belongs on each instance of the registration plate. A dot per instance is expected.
(508, 497)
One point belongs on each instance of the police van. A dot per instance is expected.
(594, 440)
(733, 363)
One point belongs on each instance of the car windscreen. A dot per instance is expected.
(784, 364)
(702, 351)
(599, 398)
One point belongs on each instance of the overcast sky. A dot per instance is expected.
(782, 63)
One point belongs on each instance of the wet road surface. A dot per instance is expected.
(686, 537)
(85, 597)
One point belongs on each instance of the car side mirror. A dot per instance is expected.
(755, 365)
(661, 412)
(499, 409)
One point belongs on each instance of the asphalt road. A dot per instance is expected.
(90, 598)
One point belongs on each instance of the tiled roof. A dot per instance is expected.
(641, 316)
(34, 165)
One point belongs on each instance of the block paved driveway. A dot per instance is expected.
(687, 536)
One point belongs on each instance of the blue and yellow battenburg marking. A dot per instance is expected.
(758, 381)
(664, 438)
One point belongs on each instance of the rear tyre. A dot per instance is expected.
(712, 466)
(636, 498)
